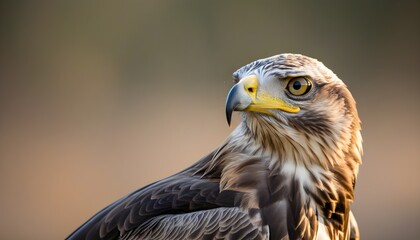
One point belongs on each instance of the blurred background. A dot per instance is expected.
(100, 98)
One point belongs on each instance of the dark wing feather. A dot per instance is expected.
(218, 223)
(180, 193)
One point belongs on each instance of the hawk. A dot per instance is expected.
(287, 171)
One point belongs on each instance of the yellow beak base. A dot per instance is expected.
(243, 97)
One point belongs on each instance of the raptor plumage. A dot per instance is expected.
(286, 172)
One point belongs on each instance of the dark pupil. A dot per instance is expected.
(297, 85)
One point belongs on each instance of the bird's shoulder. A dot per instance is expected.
(182, 193)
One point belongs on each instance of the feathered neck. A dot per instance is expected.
(274, 163)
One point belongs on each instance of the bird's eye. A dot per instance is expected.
(299, 86)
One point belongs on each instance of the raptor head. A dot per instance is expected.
(294, 104)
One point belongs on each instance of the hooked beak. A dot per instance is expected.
(243, 97)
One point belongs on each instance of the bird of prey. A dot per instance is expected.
(287, 171)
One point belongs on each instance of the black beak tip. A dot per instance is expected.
(228, 116)
(231, 103)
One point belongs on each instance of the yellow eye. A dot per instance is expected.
(299, 86)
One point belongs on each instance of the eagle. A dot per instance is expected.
(287, 171)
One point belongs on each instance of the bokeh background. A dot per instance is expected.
(100, 98)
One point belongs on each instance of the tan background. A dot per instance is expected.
(99, 98)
